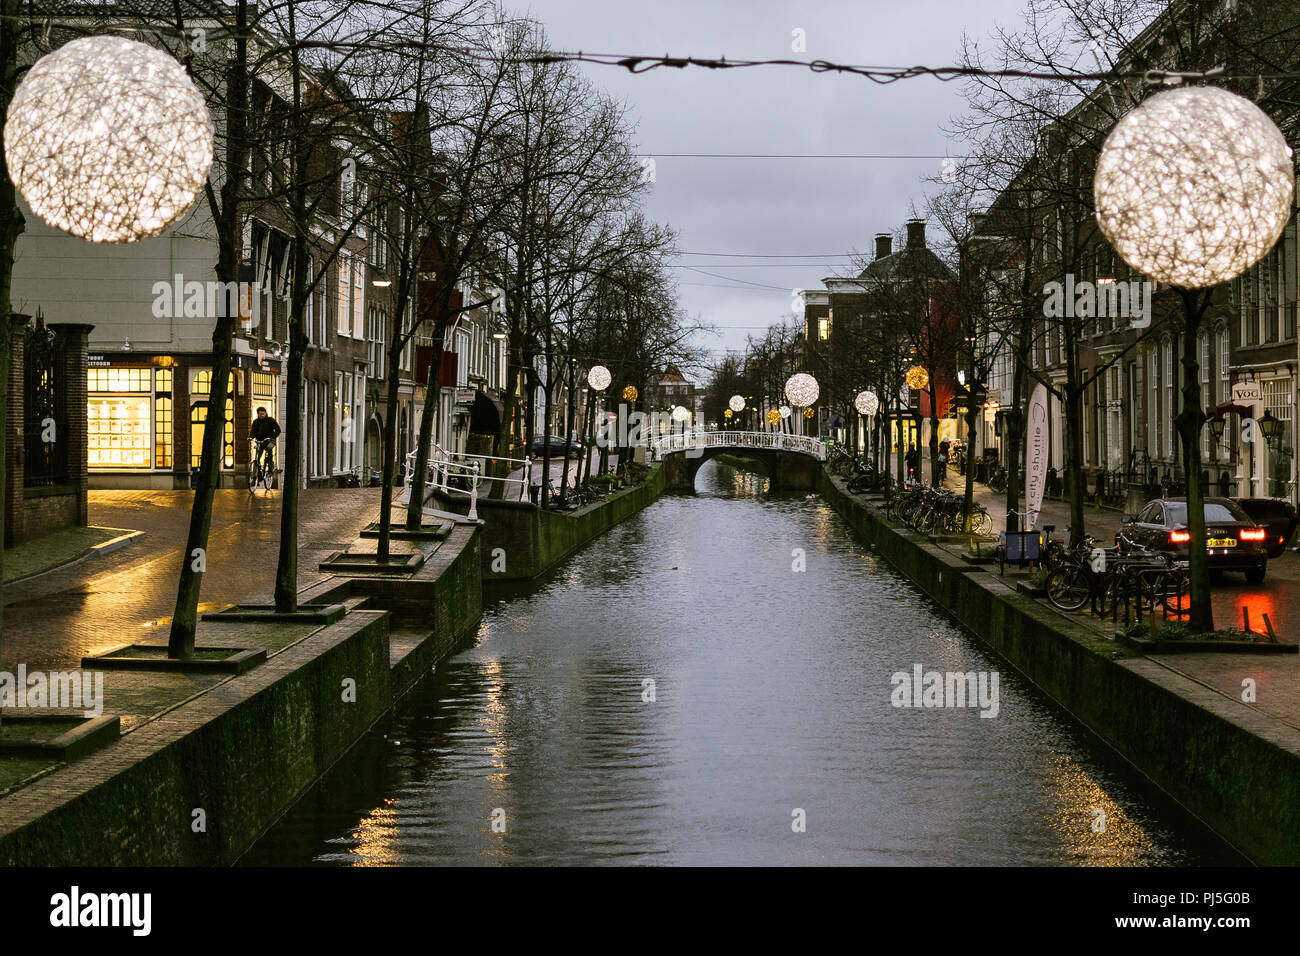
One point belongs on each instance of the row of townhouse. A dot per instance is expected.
(1246, 348)
(152, 305)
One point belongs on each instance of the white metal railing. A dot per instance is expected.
(779, 441)
(446, 466)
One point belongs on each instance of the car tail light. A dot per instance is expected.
(1179, 537)
(1251, 534)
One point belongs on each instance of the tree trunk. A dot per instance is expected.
(432, 395)
(180, 641)
(390, 437)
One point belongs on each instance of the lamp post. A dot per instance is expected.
(1193, 187)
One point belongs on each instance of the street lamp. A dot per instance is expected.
(1216, 429)
(1272, 429)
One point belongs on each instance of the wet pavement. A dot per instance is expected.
(129, 595)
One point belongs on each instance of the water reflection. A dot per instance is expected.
(680, 692)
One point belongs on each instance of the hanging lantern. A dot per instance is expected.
(599, 378)
(866, 403)
(1194, 186)
(737, 403)
(808, 413)
(801, 389)
(629, 394)
(917, 377)
(785, 411)
(680, 414)
(773, 416)
(727, 413)
(108, 139)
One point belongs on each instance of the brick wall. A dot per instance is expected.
(33, 512)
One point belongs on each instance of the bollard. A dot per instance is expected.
(473, 494)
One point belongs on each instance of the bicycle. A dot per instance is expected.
(262, 468)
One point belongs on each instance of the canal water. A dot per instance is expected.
(712, 682)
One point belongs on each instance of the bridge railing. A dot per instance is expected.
(777, 441)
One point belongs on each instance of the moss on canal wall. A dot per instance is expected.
(1234, 768)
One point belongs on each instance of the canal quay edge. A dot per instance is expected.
(1235, 769)
(240, 754)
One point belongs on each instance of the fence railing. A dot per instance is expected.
(463, 472)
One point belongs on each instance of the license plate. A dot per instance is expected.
(1223, 542)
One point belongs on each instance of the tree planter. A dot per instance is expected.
(1148, 646)
(308, 614)
(56, 736)
(363, 562)
(153, 657)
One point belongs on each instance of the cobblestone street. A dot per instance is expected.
(129, 595)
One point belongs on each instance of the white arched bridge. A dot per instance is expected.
(792, 461)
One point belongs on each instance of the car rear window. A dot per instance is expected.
(1263, 508)
(1176, 512)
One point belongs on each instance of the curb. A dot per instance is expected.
(94, 551)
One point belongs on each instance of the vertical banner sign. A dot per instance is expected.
(1035, 455)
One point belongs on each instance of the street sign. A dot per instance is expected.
(1246, 392)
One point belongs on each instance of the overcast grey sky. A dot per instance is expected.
(771, 206)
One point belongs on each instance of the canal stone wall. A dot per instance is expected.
(244, 751)
(521, 541)
(1234, 768)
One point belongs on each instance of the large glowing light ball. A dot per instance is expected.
(801, 389)
(680, 414)
(866, 403)
(599, 378)
(727, 413)
(1194, 186)
(108, 139)
(785, 411)
(773, 416)
(737, 403)
(629, 393)
(808, 413)
(917, 377)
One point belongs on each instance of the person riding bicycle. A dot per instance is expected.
(265, 430)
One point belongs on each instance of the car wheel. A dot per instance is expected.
(1256, 575)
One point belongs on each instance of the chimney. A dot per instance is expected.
(884, 244)
(916, 233)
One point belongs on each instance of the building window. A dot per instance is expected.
(265, 392)
(198, 415)
(119, 417)
(1168, 379)
(823, 329)
(162, 441)
(1203, 349)
(345, 294)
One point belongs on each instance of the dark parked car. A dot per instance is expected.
(558, 446)
(1234, 541)
(1277, 515)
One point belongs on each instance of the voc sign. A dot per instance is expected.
(1246, 392)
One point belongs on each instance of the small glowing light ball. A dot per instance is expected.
(808, 413)
(680, 414)
(1194, 186)
(866, 403)
(629, 393)
(917, 377)
(108, 139)
(773, 416)
(599, 378)
(785, 411)
(737, 403)
(801, 389)
(727, 413)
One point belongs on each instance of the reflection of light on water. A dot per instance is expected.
(493, 720)
(1079, 797)
(376, 837)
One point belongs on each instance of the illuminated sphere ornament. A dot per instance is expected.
(108, 139)
(917, 377)
(629, 393)
(737, 403)
(727, 413)
(599, 378)
(866, 403)
(801, 389)
(808, 413)
(1194, 186)
(785, 411)
(773, 416)
(680, 414)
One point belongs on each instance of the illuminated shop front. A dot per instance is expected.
(146, 414)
